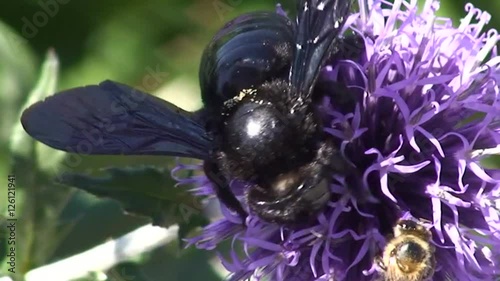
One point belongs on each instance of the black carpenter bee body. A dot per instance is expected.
(257, 78)
(259, 123)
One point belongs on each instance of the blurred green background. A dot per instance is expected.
(151, 44)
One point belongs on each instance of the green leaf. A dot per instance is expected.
(147, 191)
(17, 74)
(491, 162)
(21, 144)
(195, 220)
(38, 230)
(127, 271)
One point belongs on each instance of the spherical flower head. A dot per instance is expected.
(414, 111)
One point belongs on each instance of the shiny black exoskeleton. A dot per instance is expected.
(259, 123)
(257, 78)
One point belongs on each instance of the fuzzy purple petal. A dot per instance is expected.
(421, 112)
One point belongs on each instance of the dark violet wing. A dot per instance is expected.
(319, 25)
(111, 119)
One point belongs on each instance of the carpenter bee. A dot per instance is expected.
(409, 256)
(259, 123)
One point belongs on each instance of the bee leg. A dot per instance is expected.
(381, 268)
(222, 189)
(380, 263)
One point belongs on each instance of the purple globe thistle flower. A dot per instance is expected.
(423, 111)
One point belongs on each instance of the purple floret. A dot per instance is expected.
(420, 114)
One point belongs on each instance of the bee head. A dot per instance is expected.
(411, 227)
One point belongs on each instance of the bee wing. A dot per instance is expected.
(112, 119)
(319, 25)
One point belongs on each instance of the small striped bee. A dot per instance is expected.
(409, 256)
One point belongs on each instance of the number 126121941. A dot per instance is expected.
(11, 196)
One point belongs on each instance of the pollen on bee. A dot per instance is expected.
(284, 182)
(244, 93)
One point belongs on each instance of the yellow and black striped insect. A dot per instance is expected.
(409, 255)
